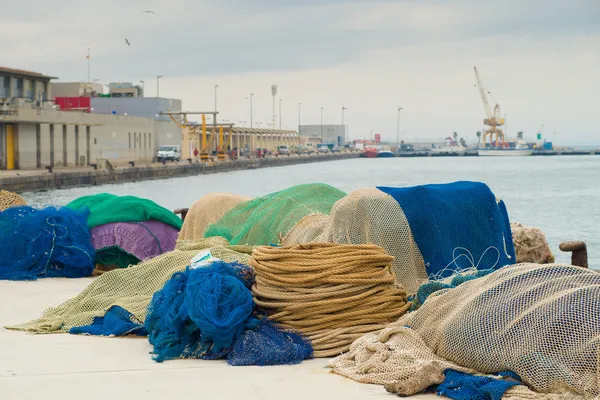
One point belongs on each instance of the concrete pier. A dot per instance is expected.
(24, 181)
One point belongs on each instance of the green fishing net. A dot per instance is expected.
(266, 220)
(106, 208)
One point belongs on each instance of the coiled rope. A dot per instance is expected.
(331, 293)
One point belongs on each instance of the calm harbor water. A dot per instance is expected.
(560, 195)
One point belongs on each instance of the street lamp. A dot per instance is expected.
(299, 123)
(322, 122)
(216, 87)
(343, 124)
(250, 97)
(158, 85)
(280, 100)
(398, 129)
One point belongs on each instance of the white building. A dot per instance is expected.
(335, 134)
(35, 134)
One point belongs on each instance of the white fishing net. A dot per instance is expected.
(367, 216)
(539, 321)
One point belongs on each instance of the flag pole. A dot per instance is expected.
(88, 62)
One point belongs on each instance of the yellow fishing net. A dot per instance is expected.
(130, 288)
(367, 216)
(10, 199)
(208, 210)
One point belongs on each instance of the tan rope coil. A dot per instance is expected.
(10, 199)
(331, 293)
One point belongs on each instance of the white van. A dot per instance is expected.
(169, 153)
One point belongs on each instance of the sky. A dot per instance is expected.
(540, 59)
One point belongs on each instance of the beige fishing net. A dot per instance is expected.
(208, 210)
(130, 288)
(539, 321)
(10, 199)
(367, 216)
(530, 245)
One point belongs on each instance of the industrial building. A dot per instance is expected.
(35, 133)
(335, 134)
(18, 85)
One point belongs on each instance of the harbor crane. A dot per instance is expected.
(493, 120)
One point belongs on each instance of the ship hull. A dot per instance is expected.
(505, 153)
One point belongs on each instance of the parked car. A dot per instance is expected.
(336, 149)
(169, 153)
(323, 148)
(283, 150)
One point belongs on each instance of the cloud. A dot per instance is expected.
(539, 57)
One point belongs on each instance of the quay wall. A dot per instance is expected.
(58, 179)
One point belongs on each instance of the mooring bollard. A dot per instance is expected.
(132, 163)
(578, 251)
(182, 211)
(49, 168)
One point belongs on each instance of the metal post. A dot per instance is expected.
(398, 129)
(158, 85)
(251, 94)
(299, 125)
(280, 100)
(216, 86)
(321, 123)
(343, 124)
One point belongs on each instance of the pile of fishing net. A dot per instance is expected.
(331, 293)
(10, 199)
(205, 211)
(531, 245)
(266, 220)
(127, 229)
(131, 288)
(206, 312)
(123, 244)
(42, 243)
(431, 230)
(536, 323)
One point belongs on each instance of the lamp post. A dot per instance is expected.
(299, 123)
(398, 129)
(343, 124)
(280, 100)
(158, 85)
(216, 87)
(322, 122)
(250, 97)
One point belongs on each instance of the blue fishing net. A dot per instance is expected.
(462, 386)
(427, 289)
(200, 312)
(42, 243)
(457, 226)
(116, 322)
(268, 345)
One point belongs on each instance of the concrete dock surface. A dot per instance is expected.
(64, 366)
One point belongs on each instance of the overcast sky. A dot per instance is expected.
(539, 58)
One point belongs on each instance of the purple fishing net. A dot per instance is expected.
(125, 243)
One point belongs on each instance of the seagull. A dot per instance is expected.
(148, 12)
(127, 41)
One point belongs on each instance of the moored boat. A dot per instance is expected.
(369, 152)
(385, 152)
(521, 149)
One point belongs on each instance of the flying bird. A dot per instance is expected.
(127, 41)
(148, 12)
